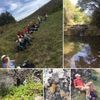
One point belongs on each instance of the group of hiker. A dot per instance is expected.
(23, 40)
(24, 37)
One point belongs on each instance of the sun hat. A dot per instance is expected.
(3, 56)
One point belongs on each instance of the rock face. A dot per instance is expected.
(56, 84)
(53, 88)
(39, 98)
(6, 79)
(17, 77)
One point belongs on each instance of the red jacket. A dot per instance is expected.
(78, 82)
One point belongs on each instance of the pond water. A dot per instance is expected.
(89, 54)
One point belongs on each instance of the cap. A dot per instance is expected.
(77, 75)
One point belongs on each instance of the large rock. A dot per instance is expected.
(39, 98)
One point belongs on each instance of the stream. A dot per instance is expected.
(89, 54)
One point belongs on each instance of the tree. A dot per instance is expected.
(68, 12)
(94, 6)
(6, 18)
(73, 14)
(89, 4)
(96, 18)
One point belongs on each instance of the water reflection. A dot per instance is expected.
(84, 54)
(89, 54)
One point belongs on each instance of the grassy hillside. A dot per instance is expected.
(46, 48)
(52, 6)
(27, 92)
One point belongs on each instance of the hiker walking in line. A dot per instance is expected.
(20, 34)
(45, 16)
(26, 39)
(39, 20)
(21, 44)
(27, 35)
(25, 30)
(6, 62)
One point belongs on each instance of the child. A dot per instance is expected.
(6, 62)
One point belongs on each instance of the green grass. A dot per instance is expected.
(46, 48)
(24, 92)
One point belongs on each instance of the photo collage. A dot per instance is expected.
(49, 50)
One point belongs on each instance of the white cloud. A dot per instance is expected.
(26, 0)
(19, 9)
(29, 8)
(13, 6)
(2, 10)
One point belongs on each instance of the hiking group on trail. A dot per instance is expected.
(24, 39)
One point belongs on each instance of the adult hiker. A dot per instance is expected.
(20, 35)
(82, 86)
(26, 30)
(30, 29)
(45, 16)
(34, 27)
(21, 42)
(19, 45)
(27, 39)
(39, 20)
(6, 62)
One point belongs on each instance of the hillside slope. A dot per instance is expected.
(52, 6)
(46, 48)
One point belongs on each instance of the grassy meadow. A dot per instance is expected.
(46, 48)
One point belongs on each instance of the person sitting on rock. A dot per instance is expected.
(80, 85)
(7, 63)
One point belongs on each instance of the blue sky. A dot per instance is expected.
(21, 8)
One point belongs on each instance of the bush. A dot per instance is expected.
(26, 92)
